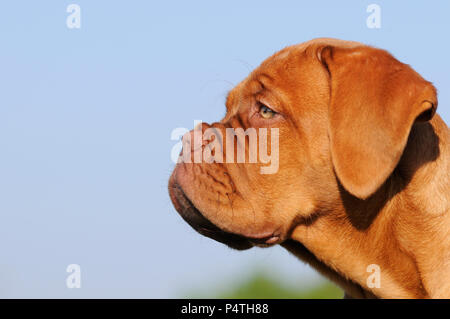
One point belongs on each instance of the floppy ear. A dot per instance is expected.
(374, 101)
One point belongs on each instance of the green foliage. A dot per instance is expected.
(260, 285)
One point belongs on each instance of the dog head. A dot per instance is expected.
(339, 112)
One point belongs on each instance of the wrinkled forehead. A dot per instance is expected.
(280, 66)
(294, 53)
(267, 73)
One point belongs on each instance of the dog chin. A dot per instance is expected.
(201, 224)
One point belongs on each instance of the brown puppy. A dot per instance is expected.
(363, 178)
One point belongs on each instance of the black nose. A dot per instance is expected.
(202, 225)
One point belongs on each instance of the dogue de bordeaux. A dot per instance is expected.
(363, 177)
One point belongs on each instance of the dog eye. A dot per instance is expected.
(266, 112)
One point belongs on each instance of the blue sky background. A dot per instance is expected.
(86, 116)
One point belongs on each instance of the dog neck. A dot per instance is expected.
(401, 231)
